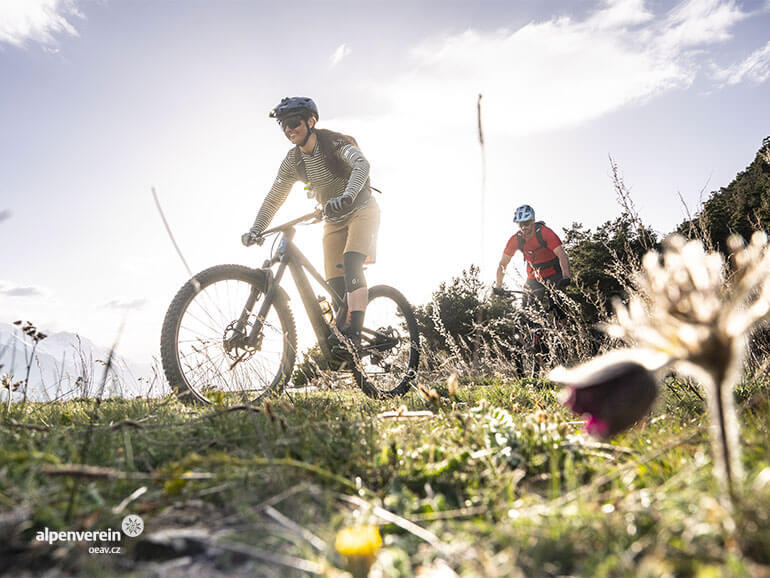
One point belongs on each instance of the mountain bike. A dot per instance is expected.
(230, 329)
(529, 347)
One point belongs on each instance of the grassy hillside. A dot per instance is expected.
(497, 480)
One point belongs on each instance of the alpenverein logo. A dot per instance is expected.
(132, 525)
(46, 535)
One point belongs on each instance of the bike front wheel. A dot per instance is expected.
(390, 345)
(204, 341)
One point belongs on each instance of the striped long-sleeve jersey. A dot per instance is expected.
(324, 184)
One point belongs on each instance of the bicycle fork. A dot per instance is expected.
(255, 336)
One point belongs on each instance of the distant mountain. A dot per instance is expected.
(66, 365)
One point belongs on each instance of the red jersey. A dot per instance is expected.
(535, 254)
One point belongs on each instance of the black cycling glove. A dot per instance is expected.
(563, 283)
(338, 205)
(252, 238)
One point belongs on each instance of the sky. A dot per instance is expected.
(101, 100)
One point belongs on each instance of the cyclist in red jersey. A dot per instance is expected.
(547, 261)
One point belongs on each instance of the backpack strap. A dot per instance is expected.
(338, 143)
(302, 170)
(552, 263)
(300, 165)
(539, 233)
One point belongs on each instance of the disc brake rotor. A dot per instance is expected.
(234, 344)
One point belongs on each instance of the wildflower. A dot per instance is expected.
(429, 394)
(684, 317)
(359, 545)
(615, 395)
(452, 384)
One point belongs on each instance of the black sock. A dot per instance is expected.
(356, 321)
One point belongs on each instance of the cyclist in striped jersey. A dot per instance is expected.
(336, 171)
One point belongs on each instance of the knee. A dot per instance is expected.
(353, 265)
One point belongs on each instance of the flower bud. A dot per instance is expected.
(614, 395)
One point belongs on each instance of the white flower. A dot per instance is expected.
(685, 314)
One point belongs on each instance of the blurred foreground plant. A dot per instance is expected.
(359, 545)
(685, 317)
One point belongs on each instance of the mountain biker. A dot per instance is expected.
(547, 261)
(337, 173)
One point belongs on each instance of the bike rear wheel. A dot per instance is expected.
(390, 345)
(203, 341)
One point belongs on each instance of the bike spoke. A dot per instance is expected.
(212, 325)
(386, 356)
(210, 352)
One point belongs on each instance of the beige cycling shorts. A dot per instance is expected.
(358, 234)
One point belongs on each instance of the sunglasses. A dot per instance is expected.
(291, 122)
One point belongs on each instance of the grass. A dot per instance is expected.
(500, 480)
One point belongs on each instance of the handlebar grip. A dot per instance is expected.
(249, 239)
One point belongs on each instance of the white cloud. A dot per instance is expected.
(620, 13)
(341, 52)
(14, 290)
(699, 22)
(755, 68)
(40, 21)
(563, 72)
(125, 304)
(549, 75)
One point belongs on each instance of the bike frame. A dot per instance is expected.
(535, 327)
(288, 256)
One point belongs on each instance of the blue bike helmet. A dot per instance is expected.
(524, 213)
(295, 105)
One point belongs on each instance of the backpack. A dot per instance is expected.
(538, 233)
(340, 170)
(539, 236)
(338, 140)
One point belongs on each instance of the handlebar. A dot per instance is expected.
(316, 216)
(507, 292)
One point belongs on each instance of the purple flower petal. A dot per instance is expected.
(596, 427)
(614, 396)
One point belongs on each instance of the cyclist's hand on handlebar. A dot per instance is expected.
(338, 205)
(499, 291)
(252, 238)
(564, 282)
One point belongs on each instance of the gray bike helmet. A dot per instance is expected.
(295, 105)
(524, 213)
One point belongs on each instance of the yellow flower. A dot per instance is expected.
(359, 546)
(362, 541)
(176, 485)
